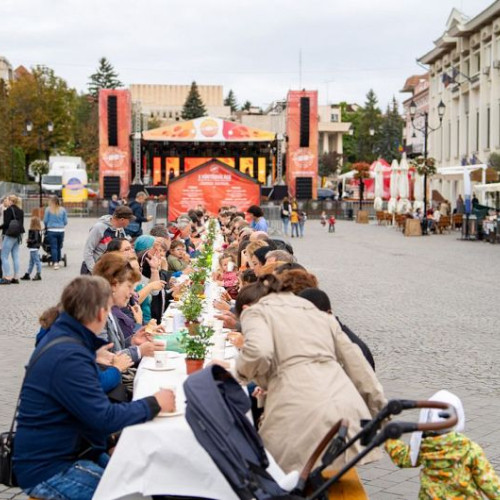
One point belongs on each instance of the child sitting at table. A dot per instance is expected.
(178, 259)
(228, 276)
(453, 466)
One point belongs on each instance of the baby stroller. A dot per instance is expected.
(47, 255)
(216, 411)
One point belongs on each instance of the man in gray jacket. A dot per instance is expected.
(102, 232)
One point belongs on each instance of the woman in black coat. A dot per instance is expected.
(12, 231)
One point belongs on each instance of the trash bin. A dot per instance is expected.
(350, 213)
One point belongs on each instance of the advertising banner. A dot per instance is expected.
(208, 129)
(211, 185)
(114, 160)
(301, 161)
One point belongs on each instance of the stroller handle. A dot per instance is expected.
(450, 421)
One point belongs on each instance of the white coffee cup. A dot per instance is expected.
(161, 359)
(218, 325)
(168, 324)
(230, 267)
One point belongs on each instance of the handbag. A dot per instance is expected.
(7, 439)
(14, 230)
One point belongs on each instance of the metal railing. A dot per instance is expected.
(272, 214)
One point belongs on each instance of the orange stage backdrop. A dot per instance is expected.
(115, 160)
(212, 185)
(173, 163)
(190, 163)
(301, 162)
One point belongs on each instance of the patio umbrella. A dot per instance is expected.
(379, 187)
(418, 191)
(404, 188)
(391, 206)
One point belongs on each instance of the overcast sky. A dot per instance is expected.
(252, 47)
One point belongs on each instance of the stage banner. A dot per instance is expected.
(246, 166)
(211, 185)
(114, 151)
(228, 161)
(173, 165)
(302, 161)
(261, 170)
(156, 170)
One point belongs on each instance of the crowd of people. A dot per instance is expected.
(305, 368)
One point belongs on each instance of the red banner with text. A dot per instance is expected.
(211, 185)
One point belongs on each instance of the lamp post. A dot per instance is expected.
(29, 129)
(426, 130)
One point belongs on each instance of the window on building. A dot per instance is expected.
(476, 63)
(466, 67)
(164, 114)
(458, 140)
(488, 126)
(170, 115)
(449, 139)
(334, 117)
(477, 130)
(467, 134)
(487, 55)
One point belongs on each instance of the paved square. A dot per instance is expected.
(427, 307)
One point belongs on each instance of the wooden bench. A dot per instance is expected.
(348, 488)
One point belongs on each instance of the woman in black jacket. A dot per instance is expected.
(12, 230)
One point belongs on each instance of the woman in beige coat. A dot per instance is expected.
(313, 374)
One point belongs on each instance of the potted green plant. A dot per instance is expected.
(196, 347)
(191, 309)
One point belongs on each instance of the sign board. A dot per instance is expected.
(211, 185)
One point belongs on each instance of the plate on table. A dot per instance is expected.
(172, 414)
(173, 354)
(160, 369)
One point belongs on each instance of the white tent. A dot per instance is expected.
(418, 191)
(391, 206)
(379, 187)
(404, 188)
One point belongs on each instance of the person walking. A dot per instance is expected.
(285, 211)
(460, 205)
(302, 222)
(33, 244)
(114, 203)
(12, 230)
(294, 220)
(55, 220)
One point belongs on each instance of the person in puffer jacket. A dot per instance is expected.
(104, 230)
(453, 466)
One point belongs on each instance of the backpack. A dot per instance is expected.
(216, 408)
(15, 228)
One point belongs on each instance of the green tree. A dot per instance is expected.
(370, 119)
(104, 78)
(328, 163)
(5, 143)
(42, 98)
(246, 106)
(391, 133)
(230, 101)
(193, 107)
(154, 122)
(349, 146)
(494, 161)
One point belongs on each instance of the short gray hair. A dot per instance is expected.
(280, 256)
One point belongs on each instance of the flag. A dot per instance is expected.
(446, 79)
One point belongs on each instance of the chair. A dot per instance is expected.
(380, 217)
(457, 221)
(444, 224)
(388, 218)
(400, 221)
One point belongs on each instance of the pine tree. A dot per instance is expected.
(193, 107)
(391, 132)
(230, 101)
(104, 78)
(370, 119)
(246, 106)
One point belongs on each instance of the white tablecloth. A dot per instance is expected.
(163, 456)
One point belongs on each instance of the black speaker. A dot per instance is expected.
(111, 186)
(303, 188)
(304, 122)
(112, 120)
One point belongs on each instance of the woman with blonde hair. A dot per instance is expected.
(55, 220)
(12, 230)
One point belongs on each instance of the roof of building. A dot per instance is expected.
(413, 81)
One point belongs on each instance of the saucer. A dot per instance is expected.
(160, 369)
(173, 414)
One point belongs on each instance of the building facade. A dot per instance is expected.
(464, 72)
(165, 102)
(6, 73)
(418, 87)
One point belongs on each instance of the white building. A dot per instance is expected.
(6, 72)
(464, 71)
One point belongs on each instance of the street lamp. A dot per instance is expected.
(371, 131)
(29, 129)
(426, 130)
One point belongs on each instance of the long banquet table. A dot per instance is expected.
(162, 457)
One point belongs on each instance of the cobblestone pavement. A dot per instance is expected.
(425, 306)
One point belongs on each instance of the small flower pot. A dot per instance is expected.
(194, 365)
(192, 327)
